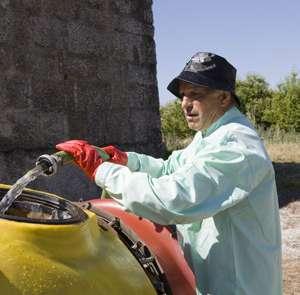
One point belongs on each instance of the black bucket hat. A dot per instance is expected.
(207, 69)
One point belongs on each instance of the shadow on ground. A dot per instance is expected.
(288, 182)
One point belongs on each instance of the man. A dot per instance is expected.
(220, 190)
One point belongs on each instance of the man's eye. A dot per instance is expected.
(195, 95)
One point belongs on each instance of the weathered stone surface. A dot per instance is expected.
(7, 26)
(75, 69)
(48, 32)
(133, 48)
(83, 39)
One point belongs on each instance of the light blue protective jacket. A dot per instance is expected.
(220, 192)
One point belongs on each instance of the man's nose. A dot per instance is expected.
(186, 102)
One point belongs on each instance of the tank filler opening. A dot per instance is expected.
(38, 207)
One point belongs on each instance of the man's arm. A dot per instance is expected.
(216, 180)
(152, 166)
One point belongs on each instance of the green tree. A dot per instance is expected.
(173, 125)
(254, 93)
(283, 109)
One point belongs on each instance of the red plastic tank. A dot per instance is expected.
(140, 233)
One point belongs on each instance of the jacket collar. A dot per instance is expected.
(231, 114)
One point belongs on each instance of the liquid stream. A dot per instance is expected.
(18, 187)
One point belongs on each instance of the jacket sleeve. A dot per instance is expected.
(152, 166)
(214, 181)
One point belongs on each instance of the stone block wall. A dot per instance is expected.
(75, 69)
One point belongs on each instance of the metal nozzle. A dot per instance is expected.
(49, 164)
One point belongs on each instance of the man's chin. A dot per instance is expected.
(194, 126)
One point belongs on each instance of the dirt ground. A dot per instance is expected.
(290, 224)
(286, 161)
(288, 186)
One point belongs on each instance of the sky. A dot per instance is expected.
(257, 36)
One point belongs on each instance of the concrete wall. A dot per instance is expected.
(75, 69)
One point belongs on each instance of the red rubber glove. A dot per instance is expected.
(85, 156)
(116, 156)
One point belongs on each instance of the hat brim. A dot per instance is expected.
(189, 77)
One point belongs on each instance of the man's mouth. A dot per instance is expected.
(190, 116)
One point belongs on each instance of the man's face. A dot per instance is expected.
(201, 106)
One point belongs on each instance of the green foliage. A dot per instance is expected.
(173, 124)
(254, 94)
(284, 108)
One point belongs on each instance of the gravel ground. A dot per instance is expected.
(290, 224)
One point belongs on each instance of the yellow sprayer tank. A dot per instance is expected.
(49, 246)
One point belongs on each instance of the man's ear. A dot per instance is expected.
(226, 99)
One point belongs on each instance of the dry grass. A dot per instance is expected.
(283, 147)
(284, 152)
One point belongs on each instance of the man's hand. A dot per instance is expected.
(84, 154)
(116, 156)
